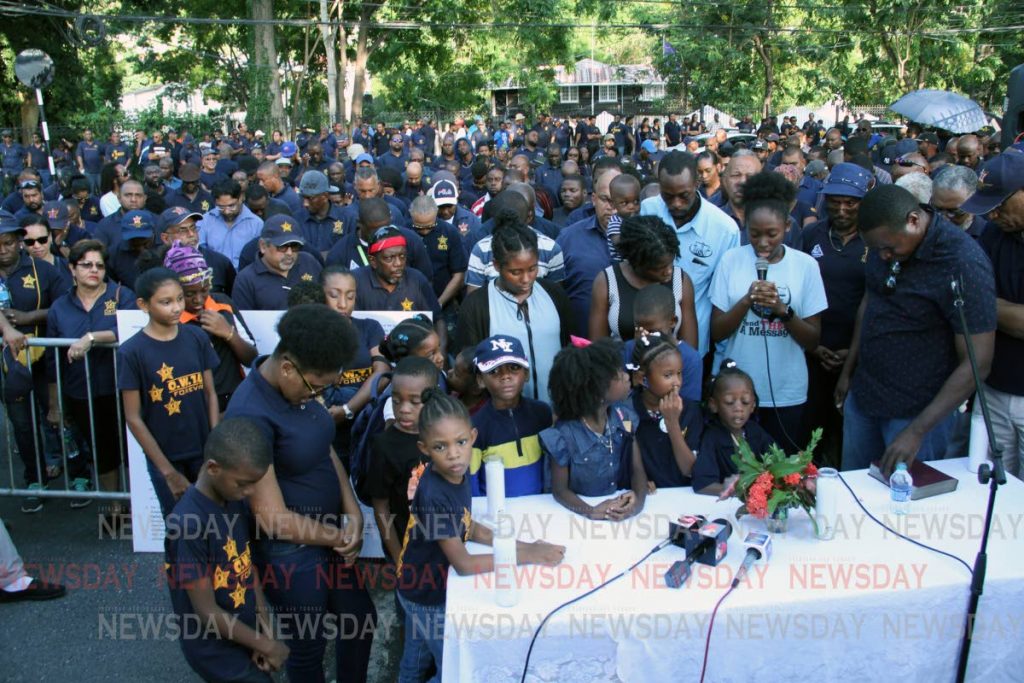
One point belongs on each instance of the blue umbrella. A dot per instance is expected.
(941, 109)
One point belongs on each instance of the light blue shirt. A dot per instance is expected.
(215, 233)
(702, 243)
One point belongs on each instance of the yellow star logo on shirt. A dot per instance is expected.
(306, 277)
(338, 227)
(137, 221)
(166, 372)
(220, 578)
(28, 282)
(173, 406)
(286, 227)
(231, 549)
(442, 243)
(406, 304)
(238, 595)
(156, 394)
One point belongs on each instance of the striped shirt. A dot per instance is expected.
(550, 261)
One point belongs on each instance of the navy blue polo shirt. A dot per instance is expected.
(842, 271)
(322, 234)
(257, 288)
(585, 249)
(389, 160)
(123, 265)
(655, 446)
(288, 196)
(169, 378)
(440, 510)
(91, 211)
(360, 368)
(467, 223)
(68, 319)
(210, 179)
(444, 245)
(350, 215)
(907, 349)
(301, 436)
(202, 203)
(351, 252)
(714, 459)
(205, 540)
(116, 154)
(108, 230)
(13, 157)
(1006, 250)
(413, 293)
(808, 190)
(38, 157)
(33, 285)
(92, 156)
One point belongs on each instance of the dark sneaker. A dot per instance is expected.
(37, 590)
(33, 503)
(81, 485)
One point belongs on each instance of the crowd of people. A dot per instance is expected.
(610, 313)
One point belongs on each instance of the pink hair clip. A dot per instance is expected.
(579, 342)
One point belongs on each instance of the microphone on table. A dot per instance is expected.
(710, 548)
(683, 532)
(759, 546)
(762, 274)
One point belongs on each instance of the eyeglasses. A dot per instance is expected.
(907, 163)
(290, 246)
(313, 391)
(91, 265)
(33, 241)
(951, 214)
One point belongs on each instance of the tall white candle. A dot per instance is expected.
(506, 591)
(494, 473)
(825, 502)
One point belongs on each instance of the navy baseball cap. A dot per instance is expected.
(280, 230)
(998, 178)
(848, 180)
(8, 223)
(176, 215)
(905, 146)
(499, 350)
(56, 213)
(444, 193)
(137, 224)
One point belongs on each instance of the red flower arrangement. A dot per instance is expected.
(777, 480)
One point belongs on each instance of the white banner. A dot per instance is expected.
(147, 522)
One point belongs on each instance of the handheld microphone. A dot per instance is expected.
(710, 548)
(758, 545)
(762, 274)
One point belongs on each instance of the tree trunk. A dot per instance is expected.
(362, 56)
(29, 117)
(769, 74)
(265, 57)
(329, 35)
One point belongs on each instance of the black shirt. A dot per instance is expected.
(842, 271)
(656, 447)
(717, 446)
(1006, 250)
(907, 349)
(394, 457)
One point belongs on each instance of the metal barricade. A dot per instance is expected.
(89, 431)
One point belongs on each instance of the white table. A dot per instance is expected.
(864, 606)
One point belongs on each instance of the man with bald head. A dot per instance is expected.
(909, 163)
(969, 152)
(704, 231)
(741, 167)
(413, 185)
(270, 179)
(132, 197)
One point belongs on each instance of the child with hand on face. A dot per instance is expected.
(591, 449)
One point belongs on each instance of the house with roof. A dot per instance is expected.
(589, 87)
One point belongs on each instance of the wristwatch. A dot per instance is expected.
(788, 315)
(347, 411)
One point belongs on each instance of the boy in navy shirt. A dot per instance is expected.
(209, 562)
(508, 424)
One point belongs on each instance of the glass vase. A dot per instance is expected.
(778, 521)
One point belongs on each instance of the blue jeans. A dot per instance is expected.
(94, 182)
(866, 438)
(190, 468)
(424, 641)
(315, 595)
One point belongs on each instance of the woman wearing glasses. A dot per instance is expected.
(309, 519)
(38, 242)
(88, 313)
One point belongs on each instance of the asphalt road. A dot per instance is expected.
(96, 632)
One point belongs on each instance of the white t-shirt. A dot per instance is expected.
(798, 280)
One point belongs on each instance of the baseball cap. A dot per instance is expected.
(847, 179)
(139, 223)
(608, 136)
(355, 150)
(649, 146)
(364, 157)
(189, 173)
(56, 213)
(313, 183)
(928, 136)
(520, 116)
(772, 137)
(283, 161)
(280, 230)
(176, 215)
(188, 263)
(759, 145)
(997, 180)
(8, 223)
(499, 350)
(210, 150)
(444, 193)
(259, 133)
(288, 149)
(815, 167)
(905, 146)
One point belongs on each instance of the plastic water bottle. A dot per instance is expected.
(70, 445)
(5, 295)
(901, 485)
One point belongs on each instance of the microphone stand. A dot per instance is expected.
(993, 476)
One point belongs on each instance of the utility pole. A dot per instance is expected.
(330, 45)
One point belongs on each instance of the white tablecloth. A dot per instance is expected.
(863, 606)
